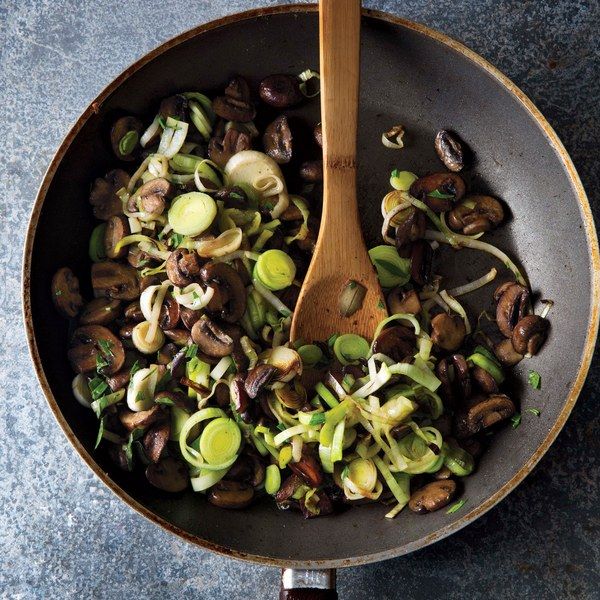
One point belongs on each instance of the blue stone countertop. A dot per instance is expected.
(63, 534)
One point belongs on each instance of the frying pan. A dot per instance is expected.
(410, 75)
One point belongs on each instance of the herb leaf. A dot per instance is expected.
(191, 351)
(281, 426)
(345, 472)
(535, 380)
(456, 506)
(516, 420)
(317, 419)
(534, 411)
(440, 195)
(176, 239)
(100, 433)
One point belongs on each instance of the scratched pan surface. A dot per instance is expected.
(412, 76)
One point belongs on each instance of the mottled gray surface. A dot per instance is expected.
(62, 534)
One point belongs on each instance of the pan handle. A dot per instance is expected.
(300, 584)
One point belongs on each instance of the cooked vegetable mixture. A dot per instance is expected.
(183, 353)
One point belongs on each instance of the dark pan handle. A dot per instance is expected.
(299, 584)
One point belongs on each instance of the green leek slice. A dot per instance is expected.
(192, 213)
(220, 440)
(275, 270)
(348, 348)
(392, 270)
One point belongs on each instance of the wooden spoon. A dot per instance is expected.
(340, 254)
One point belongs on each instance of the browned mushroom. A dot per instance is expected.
(119, 380)
(411, 227)
(100, 311)
(448, 331)
(166, 354)
(308, 468)
(124, 137)
(439, 190)
(210, 338)
(403, 301)
(486, 383)
(421, 257)
(396, 342)
(169, 314)
(476, 214)
(133, 312)
(292, 397)
(433, 496)
(115, 280)
(318, 134)
(92, 345)
(183, 267)
(280, 91)
(235, 105)
(221, 149)
(141, 419)
(453, 372)
(65, 293)
(153, 194)
(258, 378)
(483, 413)
(529, 334)
(443, 473)
(231, 494)
(450, 150)
(513, 302)
(312, 171)
(225, 279)
(174, 107)
(189, 316)
(239, 396)
(117, 227)
(232, 197)
(137, 258)
(155, 440)
(169, 474)
(506, 354)
(277, 140)
(180, 337)
(126, 332)
(103, 197)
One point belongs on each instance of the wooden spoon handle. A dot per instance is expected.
(339, 28)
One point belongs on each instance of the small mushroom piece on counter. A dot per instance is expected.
(65, 293)
(433, 496)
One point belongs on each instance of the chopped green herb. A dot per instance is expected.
(516, 420)
(534, 411)
(101, 362)
(175, 239)
(163, 381)
(440, 195)
(106, 347)
(127, 448)
(191, 351)
(535, 380)
(134, 368)
(380, 304)
(100, 433)
(195, 295)
(331, 340)
(345, 472)
(162, 122)
(281, 426)
(58, 293)
(395, 173)
(317, 419)
(165, 400)
(97, 387)
(456, 506)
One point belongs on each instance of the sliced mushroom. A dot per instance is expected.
(486, 383)
(226, 279)
(450, 150)
(308, 468)
(65, 293)
(433, 496)
(103, 197)
(92, 342)
(403, 301)
(443, 473)
(235, 105)
(174, 107)
(260, 376)
(280, 91)
(513, 302)
(476, 214)
(396, 342)
(439, 184)
(117, 227)
(153, 195)
(210, 338)
(133, 312)
(137, 258)
(506, 353)
(231, 494)
(126, 332)
(410, 226)
(166, 354)
(124, 137)
(183, 267)
(448, 331)
(288, 488)
(453, 372)
(119, 380)
(169, 314)
(221, 149)
(421, 258)
(239, 396)
(484, 413)
(169, 474)
(277, 141)
(312, 171)
(189, 316)
(180, 337)
(529, 334)
(155, 440)
(115, 280)
(140, 420)
(232, 197)
(100, 311)
(292, 397)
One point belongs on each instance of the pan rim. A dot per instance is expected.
(491, 501)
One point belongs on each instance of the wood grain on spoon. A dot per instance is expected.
(340, 253)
